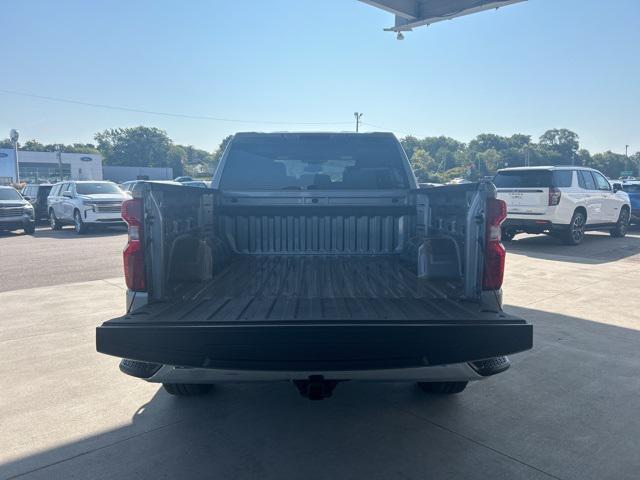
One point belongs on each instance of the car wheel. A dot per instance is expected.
(79, 226)
(30, 228)
(507, 236)
(54, 223)
(575, 233)
(622, 225)
(187, 389)
(443, 388)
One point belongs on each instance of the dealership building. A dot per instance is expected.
(39, 167)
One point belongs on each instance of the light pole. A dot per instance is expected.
(59, 157)
(14, 136)
(626, 154)
(358, 116)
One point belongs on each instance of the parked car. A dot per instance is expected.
(127, 187)
(196, 183)
(84, 204)
(37, 196)
(632, 188)
(15, 211)
(183, 179)
(561, 201)
(315, 259)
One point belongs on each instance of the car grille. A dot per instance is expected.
(10, 212)
(112, 207)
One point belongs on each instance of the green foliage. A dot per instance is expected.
(434, 159)
(140, 147)
(440, 159)
(35, 146)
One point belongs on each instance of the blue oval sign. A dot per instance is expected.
(86, 159)
(2, 155)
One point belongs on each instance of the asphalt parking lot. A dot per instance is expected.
(568, 409)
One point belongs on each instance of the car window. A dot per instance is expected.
(562, 178)
(601, 182)
(55, 191)
(9, 194)
(631, 188)
(96, 188)
(586, 180)
(523, 179)
(313, 161)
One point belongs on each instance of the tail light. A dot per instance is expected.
(554, 196)
(133, 255)
(495, 253)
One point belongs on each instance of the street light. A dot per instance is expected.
(358, 116)
(59, 157)
(14, 136)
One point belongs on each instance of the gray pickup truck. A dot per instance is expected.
(314, 258)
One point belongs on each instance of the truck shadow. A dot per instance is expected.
(568, 408)
(596, 247)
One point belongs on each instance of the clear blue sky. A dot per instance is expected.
(522, 69)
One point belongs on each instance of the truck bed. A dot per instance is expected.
(314, 287)
(313, 313)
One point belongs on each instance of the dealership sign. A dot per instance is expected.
(86, 159)
(2, 155)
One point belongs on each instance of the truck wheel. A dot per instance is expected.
(80, 227)
(575, 232)
(622, 225)
(442, 387)
(30, 228)
(54, 222)
(187, 389)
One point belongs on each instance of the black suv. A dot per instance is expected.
(37, 196)
(15, 212)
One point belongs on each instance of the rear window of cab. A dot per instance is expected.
(533, 178)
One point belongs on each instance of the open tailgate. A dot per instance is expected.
(166, 334)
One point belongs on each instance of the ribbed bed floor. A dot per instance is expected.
(314, 287)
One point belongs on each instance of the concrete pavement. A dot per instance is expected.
(567, 409)
(53, 258)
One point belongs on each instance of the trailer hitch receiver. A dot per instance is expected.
(316, 387)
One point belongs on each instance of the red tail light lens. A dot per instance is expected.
(554, 196)
(494, 255)
(133, 255)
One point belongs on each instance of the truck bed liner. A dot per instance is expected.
(314, 287)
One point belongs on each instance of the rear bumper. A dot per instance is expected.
(313, 347)
(529, 224)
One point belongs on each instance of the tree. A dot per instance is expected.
(562, 141)
(140, 147)
(218, 154)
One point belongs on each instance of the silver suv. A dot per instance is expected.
(15, 212)
(85, 203)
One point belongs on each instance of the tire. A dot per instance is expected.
(622, 225)
(507, 236)
(30, 228)
(575, 232)
(443, 388)
(187, 389)
(79, 226)
(54, 223)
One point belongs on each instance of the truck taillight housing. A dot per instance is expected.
(133, 255)
(554, 196)
(495, 253)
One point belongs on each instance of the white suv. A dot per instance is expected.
(561, 201)
(85, 203)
